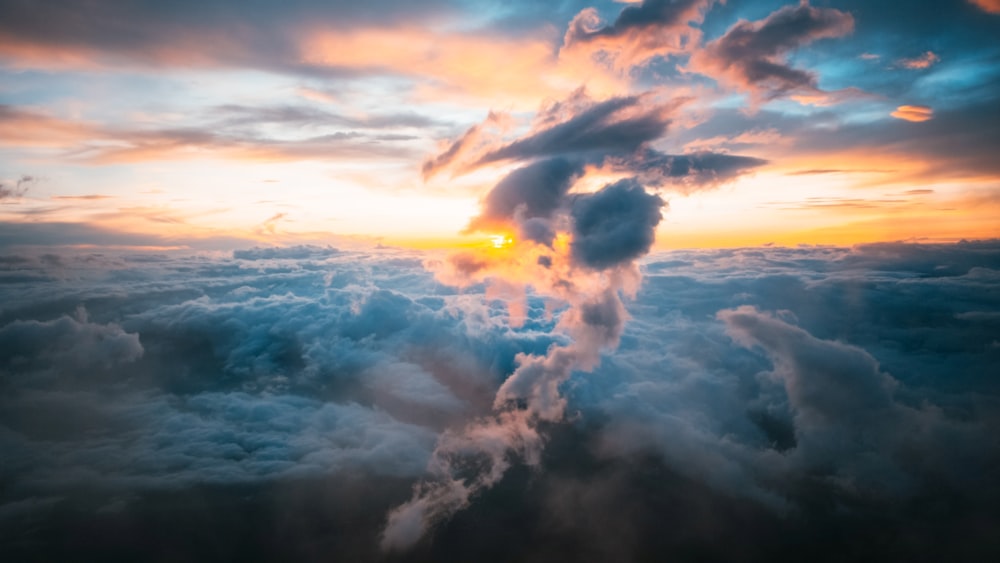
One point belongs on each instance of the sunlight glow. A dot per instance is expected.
(501, 241)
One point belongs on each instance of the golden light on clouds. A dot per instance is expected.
(913, 113)
(923, 61)
(991, 6)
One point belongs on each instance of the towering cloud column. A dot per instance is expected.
(577, 249)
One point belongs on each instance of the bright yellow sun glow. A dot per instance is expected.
(501, 241)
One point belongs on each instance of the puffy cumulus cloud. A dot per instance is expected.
(848, 427)
(614, 225)
(66, 347)
(174, 370)
(752, 56)
(913, 113)
(640, 32)
(844, 390)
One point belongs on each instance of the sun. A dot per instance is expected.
(501, 241)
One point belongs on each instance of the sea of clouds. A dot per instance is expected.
(788, 399)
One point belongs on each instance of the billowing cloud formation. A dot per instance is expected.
(614, 225)
(751, 56)
(530, 196)
(640, 32)
(60, 347)
(577, 126)
(767, 389)
(575, 249)
(615, 125)
(847, 424)
(913, 113)
(613, 134)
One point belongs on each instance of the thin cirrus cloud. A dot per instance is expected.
(229, 138)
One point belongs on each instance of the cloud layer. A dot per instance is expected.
(800, 389)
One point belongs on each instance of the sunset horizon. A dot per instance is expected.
(499, 280)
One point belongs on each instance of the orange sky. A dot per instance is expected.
(282, 127)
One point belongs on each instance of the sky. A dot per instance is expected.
(194, 123)
(441, 281)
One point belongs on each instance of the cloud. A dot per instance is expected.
(298, 252)
(529, 196)
(621, 124)
(611, 135)
(576, 249)
(466, 145)
(614, 225)
(751, 56)
(640, 31)
(65, 346)
(263, 37)
(685, 173)
(764, 389)
(572, 137)
(197, 369)
(230, 138)
(20, 187)
(990, 6)
(913, 113)
(926, 60)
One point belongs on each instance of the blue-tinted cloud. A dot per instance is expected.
(772, 382)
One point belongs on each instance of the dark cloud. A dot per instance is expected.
(752, 55)
(535, 191)
(686, 172)
(639, 32)
(614, 225)
(614, 133)
(619, 125)
(647, 14)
